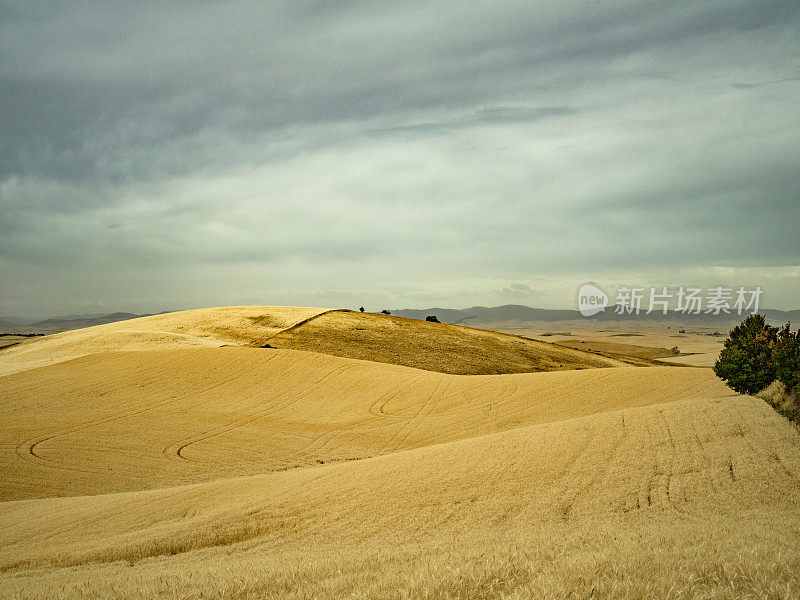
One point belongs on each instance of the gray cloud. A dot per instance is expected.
(222, 152)
(745, 86)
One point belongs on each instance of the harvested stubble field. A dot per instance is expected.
(174, 458)
(698, 346)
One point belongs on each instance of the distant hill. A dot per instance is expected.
(65, 323)
(78, 322)
(16, 321)
(517, 312)
(9, 327)
(477, 316)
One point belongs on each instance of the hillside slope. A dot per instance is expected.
(692, 498)
(176, 457)
(204, 327)
(120, 421)
(349, 334)
(431, 346)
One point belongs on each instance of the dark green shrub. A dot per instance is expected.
(746, 361)
(786, 356)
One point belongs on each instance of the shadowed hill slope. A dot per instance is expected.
(431, 346)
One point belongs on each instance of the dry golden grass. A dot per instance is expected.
(699, 347)
(130, 420)
(12, 340)
(344, 333)
(431, 346)
(695, 497)
(240, 472)
(205, 327)
(628, 558)
(632, 350)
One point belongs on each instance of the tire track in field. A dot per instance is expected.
(175, 450)
(507, 406)
(705, 458)
(491, 410)
(407, 423)
(322, 441)
(399, 421)
(657, 475)
(575, 472)
(27, 450)
(670, 467)
(443, 391)
(378, 411)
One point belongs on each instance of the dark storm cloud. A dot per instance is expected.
(109, 80)
(317, 140)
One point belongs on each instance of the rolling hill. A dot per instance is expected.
(698, 497)
(122, 421)
(344, 333)
(431, 346)
(64, 323)
(173, 456)
(209, 327)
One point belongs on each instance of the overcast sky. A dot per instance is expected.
(162, 156)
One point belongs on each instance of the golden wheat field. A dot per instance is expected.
(365, 456)
(698, 346)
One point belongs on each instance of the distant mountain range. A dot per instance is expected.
(65, 323)
(519, 313)
(476, 316)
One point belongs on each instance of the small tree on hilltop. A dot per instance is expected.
(746, 362)
(786, 356)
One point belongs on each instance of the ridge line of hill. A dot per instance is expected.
(302, 322)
